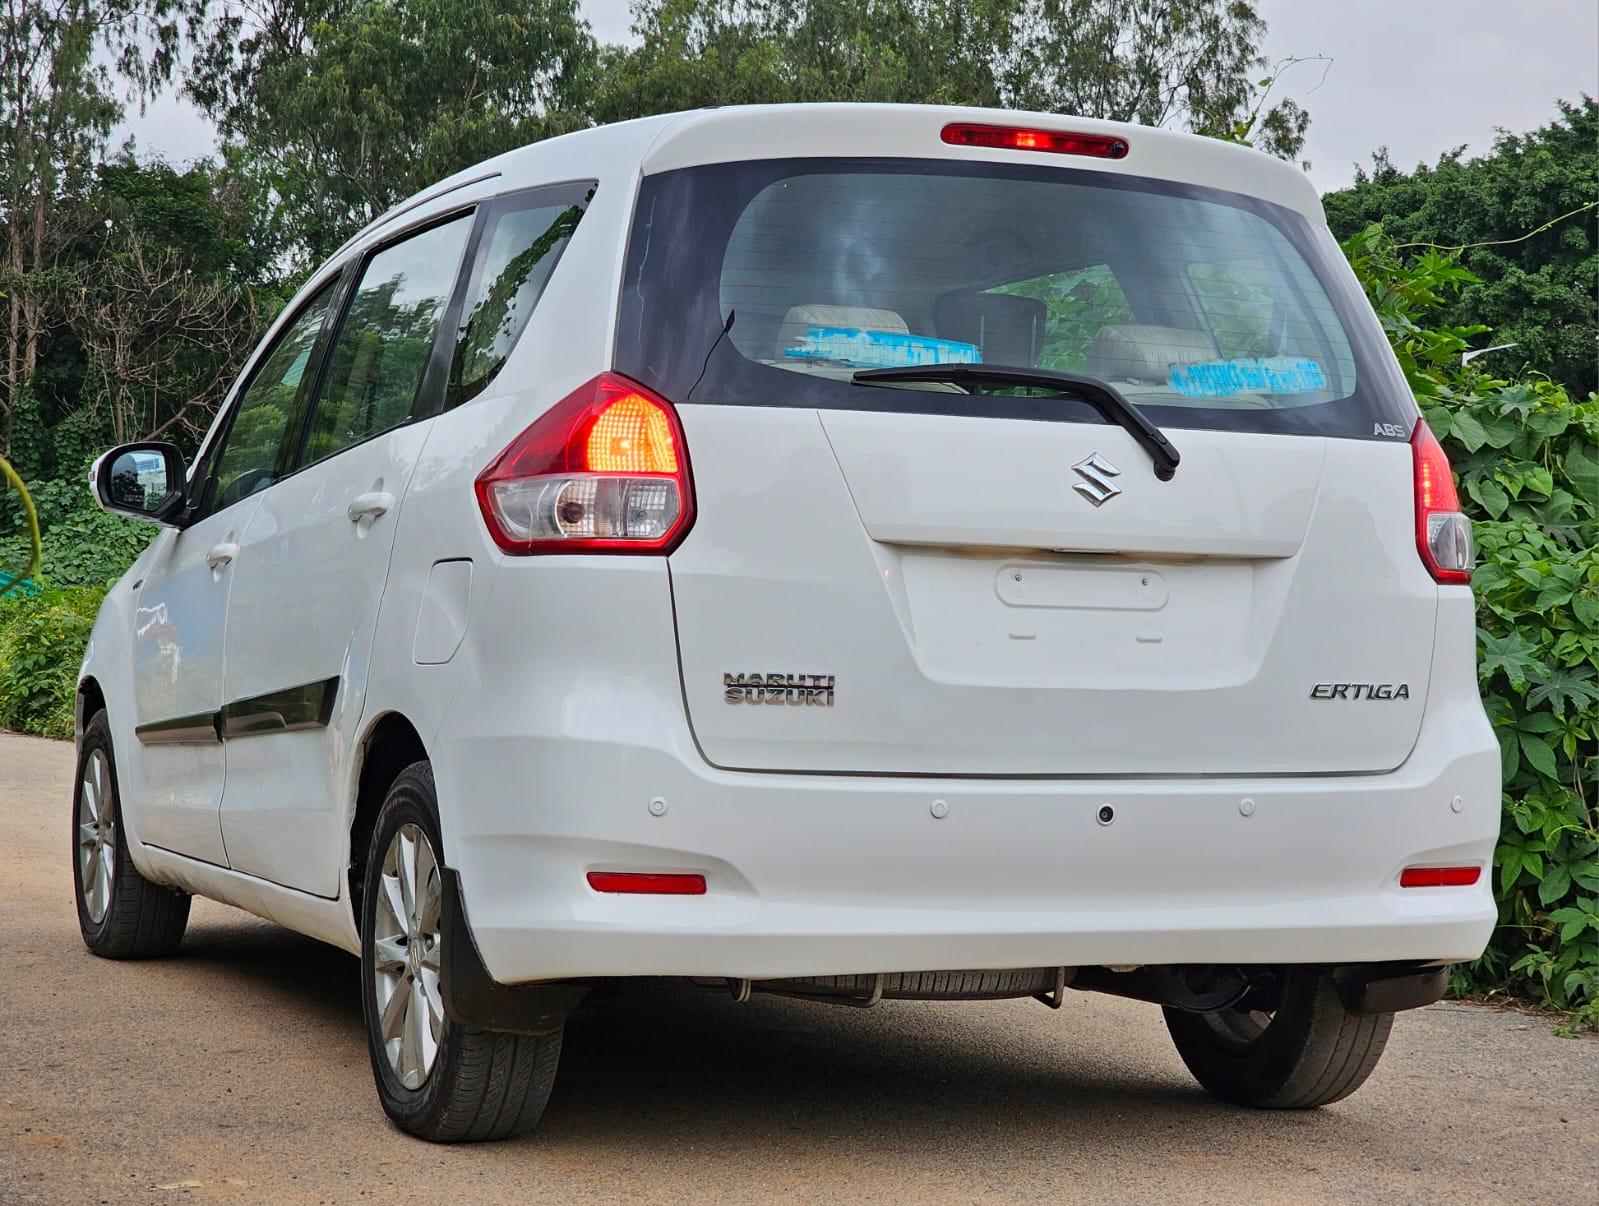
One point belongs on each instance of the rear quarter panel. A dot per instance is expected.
(567, 341)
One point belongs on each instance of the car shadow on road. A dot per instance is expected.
(653, 1068)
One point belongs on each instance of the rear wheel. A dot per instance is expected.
(121, 914)
(436, 1078)
(1309, 1051)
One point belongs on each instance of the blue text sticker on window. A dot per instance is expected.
(1274, 375)
(879, 349)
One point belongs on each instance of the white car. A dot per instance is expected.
(855, 552)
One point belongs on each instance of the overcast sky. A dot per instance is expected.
(1420, 76)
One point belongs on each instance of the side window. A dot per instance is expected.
(1238, 305)
(249, 459)
(376, 364)
(520, 247)
(1075, 304)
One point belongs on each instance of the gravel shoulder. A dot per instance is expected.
(237, 1070)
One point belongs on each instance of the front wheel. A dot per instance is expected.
(1308, 1051)
(121, 914)
(436, 1078)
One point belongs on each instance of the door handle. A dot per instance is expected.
(221, 554)
(369, 505)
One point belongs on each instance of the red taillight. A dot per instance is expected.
(1019, 138)
(641, 883)
(605, 470)
(1439, 877)
(1443, 533)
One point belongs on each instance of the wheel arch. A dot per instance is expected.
(391, 743)
(90, 698)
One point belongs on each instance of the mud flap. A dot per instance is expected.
(474, 998)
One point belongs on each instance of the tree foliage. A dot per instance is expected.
(64, 65)
(1527, 458)
(1537, 292)
(1188, 63)
(339, 108)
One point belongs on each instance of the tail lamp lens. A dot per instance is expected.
(604, 470)
(1018, 138)
(1443, 533)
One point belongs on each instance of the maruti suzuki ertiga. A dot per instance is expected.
(847, 551)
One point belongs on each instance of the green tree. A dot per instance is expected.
(1527, 216)
(1527, 458)
(1188, 63)
(339, 108)
(61, 65)
(160, 295)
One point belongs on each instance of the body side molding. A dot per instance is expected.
(308, 706)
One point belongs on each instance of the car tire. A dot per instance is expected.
(1310, 1051)
(436, 1078)
(121, 914)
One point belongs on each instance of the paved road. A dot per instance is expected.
(237, 1070)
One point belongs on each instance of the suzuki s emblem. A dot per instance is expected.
(1096, 485)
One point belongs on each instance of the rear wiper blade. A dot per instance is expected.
(1101, 395)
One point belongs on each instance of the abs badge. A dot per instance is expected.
(800, 690)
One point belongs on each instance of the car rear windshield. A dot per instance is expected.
(771, 283)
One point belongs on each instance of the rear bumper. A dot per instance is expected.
(547, 768)
(823, 876)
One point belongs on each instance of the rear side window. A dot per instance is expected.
(1205, 308)
(522, 241)
(252, 455)
(386, 338)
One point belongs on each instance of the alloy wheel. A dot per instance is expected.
(1239, 1026)
(405, 956)
(97, 836)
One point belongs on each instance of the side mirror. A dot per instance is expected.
(144, 480)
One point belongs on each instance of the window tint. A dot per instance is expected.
(521, 246)
(249, 459)
(383, 345)
(1239, 306)
(832, 272)
(1076, 304)
(1205, 308)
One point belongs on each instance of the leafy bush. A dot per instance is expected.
(83, 545)
(1527, 457)
(42, 638)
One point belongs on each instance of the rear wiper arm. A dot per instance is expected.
(1101, 395)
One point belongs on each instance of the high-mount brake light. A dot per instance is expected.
(1443, 533)
(1021, 138)
(605, 470)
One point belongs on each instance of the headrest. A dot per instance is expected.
(1145, 354)
(800, 319)
(1006, 329)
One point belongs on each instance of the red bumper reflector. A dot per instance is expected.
(1015, 138)
(1439, 877)
(646, 884)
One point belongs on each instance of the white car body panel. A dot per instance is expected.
(561, 712)
(1191, 662)
(307, 588)
(179, 625)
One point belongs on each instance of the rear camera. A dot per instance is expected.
(1107, 814)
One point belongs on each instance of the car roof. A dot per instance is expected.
(677, 140)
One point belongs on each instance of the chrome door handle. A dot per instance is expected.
(369, 505)
(221, 554)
